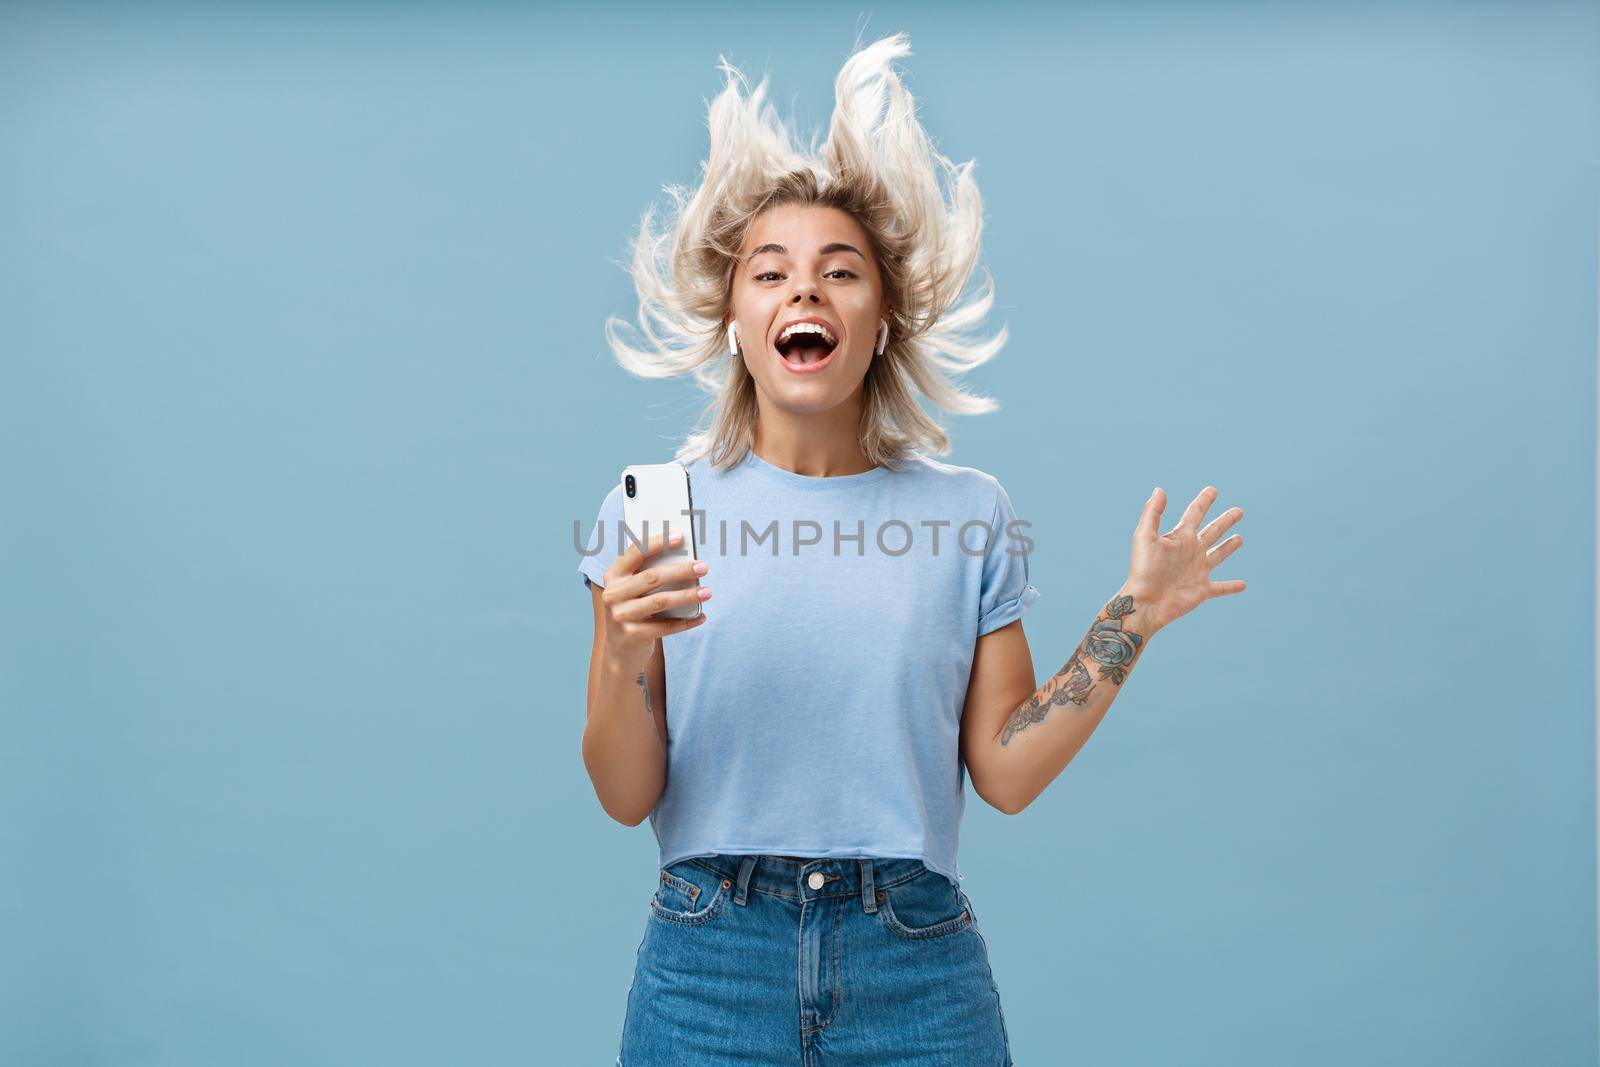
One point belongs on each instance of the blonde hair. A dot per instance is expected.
(879, 166)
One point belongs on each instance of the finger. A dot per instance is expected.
(628, 560)
(1224, 588)
(645, 582)
(641, 609)
(1150, 517)
(1224, 550)
(663, 627)
(1197, 509)
(1220, 525)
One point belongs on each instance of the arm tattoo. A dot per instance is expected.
(644, 684)
(1107, 643)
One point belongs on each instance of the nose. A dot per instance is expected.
(805, 289)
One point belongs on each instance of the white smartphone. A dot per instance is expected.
(656, 499)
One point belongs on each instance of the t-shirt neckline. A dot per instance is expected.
(806, 481)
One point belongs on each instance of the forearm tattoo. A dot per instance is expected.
(1108, 643)
(644, 685)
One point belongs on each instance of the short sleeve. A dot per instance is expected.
(1006, 592)
(601, 547)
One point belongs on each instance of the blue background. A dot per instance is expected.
(305, 387)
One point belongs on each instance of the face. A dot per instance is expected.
(807, 262)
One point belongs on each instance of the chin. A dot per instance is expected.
(803, 401)
(809, 395)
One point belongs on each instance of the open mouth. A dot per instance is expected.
(805, 348)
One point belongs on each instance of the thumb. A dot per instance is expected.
(1150, 517)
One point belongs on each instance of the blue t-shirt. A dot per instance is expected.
(817, 710)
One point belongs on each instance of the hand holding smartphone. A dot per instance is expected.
(656, 500)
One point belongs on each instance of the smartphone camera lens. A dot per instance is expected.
(628, 484)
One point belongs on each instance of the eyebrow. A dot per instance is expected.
(836, 246)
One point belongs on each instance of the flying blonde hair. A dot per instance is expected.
(879, 166)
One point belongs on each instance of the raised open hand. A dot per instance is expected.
(1170, 574)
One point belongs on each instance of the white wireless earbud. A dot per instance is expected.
(733, 342)
(883, 337)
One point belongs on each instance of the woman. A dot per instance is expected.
(801, 747)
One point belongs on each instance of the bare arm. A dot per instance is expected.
(1013, 739)
(624, 737)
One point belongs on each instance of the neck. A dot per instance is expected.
(824, 444)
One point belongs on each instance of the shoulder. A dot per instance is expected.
(979, 489)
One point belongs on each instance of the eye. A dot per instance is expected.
(773, 274)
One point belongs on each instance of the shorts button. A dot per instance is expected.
(726, 883)
(880, 894)
(816, 880)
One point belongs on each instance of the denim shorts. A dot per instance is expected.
(781, 960)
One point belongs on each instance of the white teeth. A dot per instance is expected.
(808, 327)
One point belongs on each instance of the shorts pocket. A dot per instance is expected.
(923, 906)
(689, 894)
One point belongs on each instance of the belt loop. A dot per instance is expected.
(740, 890)
(869, 899)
